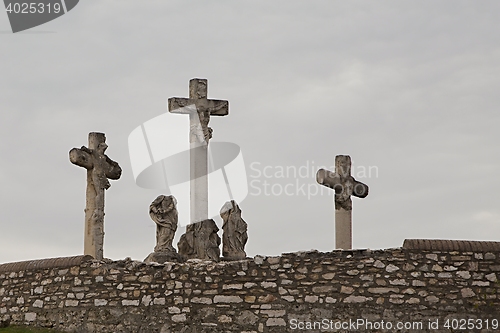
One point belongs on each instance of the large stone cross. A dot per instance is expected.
(199, 108)
(344, 185)
(99, 168)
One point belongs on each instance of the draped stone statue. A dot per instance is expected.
(163, 211)
(235, 235)
(200, 241)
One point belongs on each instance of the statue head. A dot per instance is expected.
(163, 204)
(228, 208)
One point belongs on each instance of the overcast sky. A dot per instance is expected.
(410, 90)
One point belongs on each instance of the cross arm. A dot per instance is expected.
(81, 157)
(334, 181)
(218, 107)
(113, 169)
(329, 179)
(360, 189)
(188, 105)
(181, 105)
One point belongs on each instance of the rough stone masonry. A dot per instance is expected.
(263, 294)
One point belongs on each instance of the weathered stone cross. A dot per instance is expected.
(99, 168)
(344, 185)
(199, 109)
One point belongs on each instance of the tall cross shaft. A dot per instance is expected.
(199, 108)
(99, 168)
(344, 185)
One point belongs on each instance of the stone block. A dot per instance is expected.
(275, 322)
(227, 299)
(357, 299)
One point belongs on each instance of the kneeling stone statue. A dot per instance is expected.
(163, 211)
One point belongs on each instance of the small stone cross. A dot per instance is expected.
(344, 185)
(99, 168)
(199, 109)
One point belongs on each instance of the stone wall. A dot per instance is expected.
(290, 293)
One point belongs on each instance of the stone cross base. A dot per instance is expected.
(343, 229)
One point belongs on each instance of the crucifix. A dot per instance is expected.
(99, 168)
(199, 108)
(344, 186)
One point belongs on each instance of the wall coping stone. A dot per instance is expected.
(40, 264)
(451, 245)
